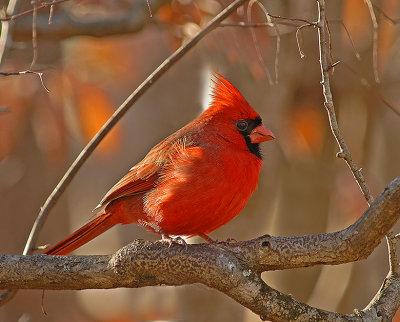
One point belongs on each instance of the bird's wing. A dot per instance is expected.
(129, 185)
(143, 176)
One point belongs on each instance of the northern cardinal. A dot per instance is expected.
(191, 183)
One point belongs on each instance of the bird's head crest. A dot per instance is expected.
(227, 98)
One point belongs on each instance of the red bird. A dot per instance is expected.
(193, 182)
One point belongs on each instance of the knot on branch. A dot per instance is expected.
(341, 155)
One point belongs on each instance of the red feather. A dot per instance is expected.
(191, 183)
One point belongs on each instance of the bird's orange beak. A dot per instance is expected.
(261, 134)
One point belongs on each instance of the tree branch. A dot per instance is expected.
(233, 269)
(24, 72)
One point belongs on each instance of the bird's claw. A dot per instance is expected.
(173, 240)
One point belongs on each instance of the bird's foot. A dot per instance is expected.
(42, 247)
(173, 240)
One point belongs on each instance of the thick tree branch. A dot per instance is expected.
(233, 269)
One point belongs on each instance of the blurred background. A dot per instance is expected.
(96, 52)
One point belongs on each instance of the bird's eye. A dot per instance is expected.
(241, 125)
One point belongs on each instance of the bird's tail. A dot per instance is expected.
(83, 235)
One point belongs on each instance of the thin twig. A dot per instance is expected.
(278, 41)
(148, 5)
(51, 13)
(375, 40)
(11, 17)
(294, 19)
(256, 25)
(356, 53)
(278, 37)
(383, 13)
(325, 66)
(270, 22)
(273, 24)
(364, 82)
(278, 50)
(255, 42)
(299, 39)
(24, 72)
(34, 34)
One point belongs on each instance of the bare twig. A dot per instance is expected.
(24, 72)
(256, 25)
(375, 40)
(356, 53)
(273, 23)
(148, 5)
(299, 39)
(34, 33)
(278, 39)
(278, 50)
(44, 4)
(383, 13)
(270, 21)
(51, 13)
(255, 42)
(325, 67)
(373, 90)
(305, 21)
